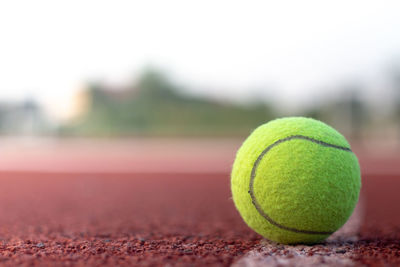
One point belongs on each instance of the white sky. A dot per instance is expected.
(49, 49)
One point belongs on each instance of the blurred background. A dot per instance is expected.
(137, 72)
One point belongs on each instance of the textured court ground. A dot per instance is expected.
(78, 206)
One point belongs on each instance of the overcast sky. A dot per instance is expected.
(50, 49)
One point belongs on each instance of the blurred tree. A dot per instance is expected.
(396, 97)
(347, 112)
(156, 106)
(358, 113)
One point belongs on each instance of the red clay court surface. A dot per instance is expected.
(141, 216)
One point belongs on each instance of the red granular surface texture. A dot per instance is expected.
(154, 220)
(60, 219)
(378, 252)
(379, 243)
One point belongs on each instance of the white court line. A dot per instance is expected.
(336, 251)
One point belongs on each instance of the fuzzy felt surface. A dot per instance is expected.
(302, 189)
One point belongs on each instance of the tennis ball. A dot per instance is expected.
(295, 180)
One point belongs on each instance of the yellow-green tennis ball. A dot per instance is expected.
(295, 180)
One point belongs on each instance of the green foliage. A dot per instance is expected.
(155, 106)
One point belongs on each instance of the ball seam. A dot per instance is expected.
(253, 175)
